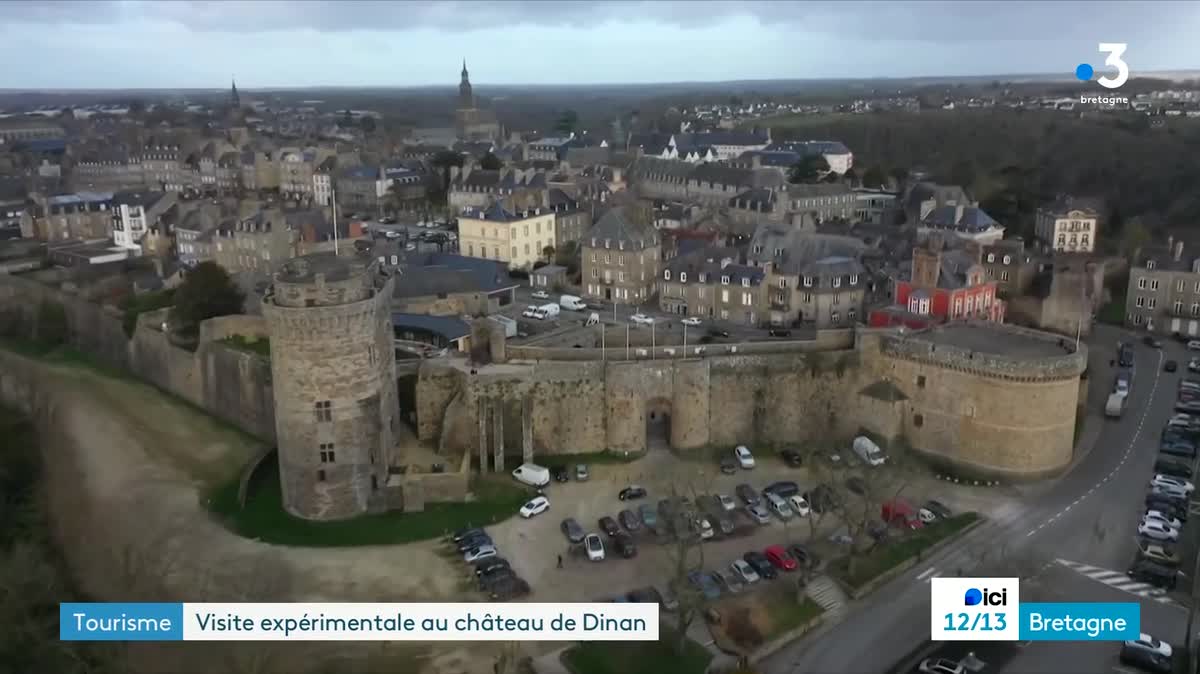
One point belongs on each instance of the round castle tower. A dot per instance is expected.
(334, 378)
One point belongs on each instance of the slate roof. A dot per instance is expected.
(960, 218)
(805, 253)
(809, 147)
(490, 275)
(647, 166)
(754, 199)
(143, 199)
(428, 281)
(941, 194)
(774, 158)
(447, 327)
(708, 260)
(711, 138)
(616, 227)
(1065, 203)
(724, 175)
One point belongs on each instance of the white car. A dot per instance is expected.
(1158, 531)
(641, 319)
(594, 547)
(1163, 517)
(727, 502)
(705, 529)
(537, 506)
(691, 321)
(479, 554)
(529, 312)
(1122, 388)
(1194, 365)
(1193, 345)
(1172, 482)
(744, 458)
(540, 295)
(799, 505)
(746, 572)
(1149, 644)
(926, 515)
(941, 666)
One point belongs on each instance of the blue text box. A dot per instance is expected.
(120, 622)
(1083, 621)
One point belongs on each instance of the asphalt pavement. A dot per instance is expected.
(1088, 516)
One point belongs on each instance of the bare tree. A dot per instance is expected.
(861, 496)
(685, 555)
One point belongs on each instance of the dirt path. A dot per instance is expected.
(127, 467)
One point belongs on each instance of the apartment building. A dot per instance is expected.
(256, 244)
(82, 216)
(620, 259)
(812, 279)
(1163, 295)
(1068, 225)
(517, 238)
(134, 213)
(709, 282)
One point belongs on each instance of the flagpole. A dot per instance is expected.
(333, 193)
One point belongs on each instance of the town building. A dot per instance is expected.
(1163, 295)
(517, 238)
(921, 197)
(727, 145)
(162, 167)
(553, 148)
(837, 155)
(710, 282)
(479, 188)
(83, 216)
(257, 244)
(323, 181)
(965, 222)
(471, 122)
(133, 213)
(942, 284)
(1067, 225)
(812, 279)
(1011, 266)
(571, 220)
(107, 169)
(483, 284)
(21, 129)
(620, 259)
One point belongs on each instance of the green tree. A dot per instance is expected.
(963, 174)
(567, 123)
(874, 177)
(490, 162)
(810, 169)
(206, 292)
(548, 253)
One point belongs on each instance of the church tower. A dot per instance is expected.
(466, 100)
(234, 100)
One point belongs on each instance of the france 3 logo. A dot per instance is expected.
(1116, 52)
(974, 609)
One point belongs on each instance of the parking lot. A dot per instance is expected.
(533, 546)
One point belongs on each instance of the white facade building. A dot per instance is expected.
(1065, 228)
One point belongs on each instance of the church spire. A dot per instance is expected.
(234, 99)
(465, 77)
(466, 98)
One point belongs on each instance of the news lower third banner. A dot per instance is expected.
(358, 622)
(990, 609)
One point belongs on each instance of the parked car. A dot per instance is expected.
(784, 489)
(744, 458)
(495, 576)
(705, 584)
(560, 474)
(691, 321)
(1146, 661)
(540, 295)
(572, 530)
(1172, 482)
(743, 570)
(940, 666)
(581, 472)
(491, 565)
(747, 494)
(1157, 575)
(629, 520)
(641, 319)
(779, 556)
(1157, 531)
(703, 527)
(1163, 517)
(511, 588)
(729, 465)
(778, 506)
(779, 332)
(799, 505)
(758, 513)
(761, 565)
(792, 458)
(645, 595)
(899, 512)
(938, 509)
(475, 541)
(625, 545)
(878, 531)
(632, 492)
(535, 506)
(1158, 553)
(1152, 342)
(805, 557)
(1170, 366)
(649, 516)
(730, 582)
(466, 533)
(609, 526)
(726, 502)
(1169, 506)
(1148, 643)
(594, 547)
(717, 332)
(479, 554)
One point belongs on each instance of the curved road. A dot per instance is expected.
(1088, 515)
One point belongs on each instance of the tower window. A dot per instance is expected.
(918, 420)
(327, 454)
(320, 476)
(324, 410)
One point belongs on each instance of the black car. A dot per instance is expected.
(792, 458)
(631, 493)
(625, 545)
(510, 588)
(497, 576)
(466, 533)
(784, 489)
(1125, 356)
(1156, 574)
(717, 332)
(804, 556)
(474, 541)
(779, 332)
(729, 465)
(1146, 660)
(1170, 366)
(629, 520)
(761, 565)
(491, 565)
(572, 530)
(747, 494)
(560, 473)
(938, 509)
(1168, 507)
(609, 526)
(1173, 468)
(878, 531)
(1151, 342)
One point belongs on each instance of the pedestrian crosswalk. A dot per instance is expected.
(1119, 580)
(828, 595)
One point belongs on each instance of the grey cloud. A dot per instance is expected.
(932, 22)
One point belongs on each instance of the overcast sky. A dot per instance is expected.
(80, 44)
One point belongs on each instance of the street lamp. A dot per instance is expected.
(652, 326)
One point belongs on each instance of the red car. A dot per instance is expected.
(780, 558)
(901, 513)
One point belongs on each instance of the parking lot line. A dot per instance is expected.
(926, 572)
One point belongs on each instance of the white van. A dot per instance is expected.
(779, 506)
(572, 303)
(547, 311)
(532, 475)
(868, 451)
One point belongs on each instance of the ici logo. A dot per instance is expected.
(976, 597)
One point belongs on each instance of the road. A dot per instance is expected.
(1088, 515)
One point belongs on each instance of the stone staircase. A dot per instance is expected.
(829, 596)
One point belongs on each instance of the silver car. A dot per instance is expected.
(758, 513)
(729, 581)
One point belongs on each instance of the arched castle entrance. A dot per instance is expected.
(658, 423)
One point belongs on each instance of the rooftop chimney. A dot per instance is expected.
(1178, 250)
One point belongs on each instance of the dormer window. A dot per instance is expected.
(703, 277)
(783, 283)
(757, 249)
(745, 283)
(854, 279)
(1007, 259)
(666, 274)
(808, 281)
(724, 280)
(1149, 264)
(606, 243)
(837, 281)
(991, 257)
(778, 252)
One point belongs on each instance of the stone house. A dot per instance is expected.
(1163, 295)
(812, 279)
(620, 259)
(709, 282)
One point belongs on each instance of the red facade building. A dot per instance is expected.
(943, 285)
